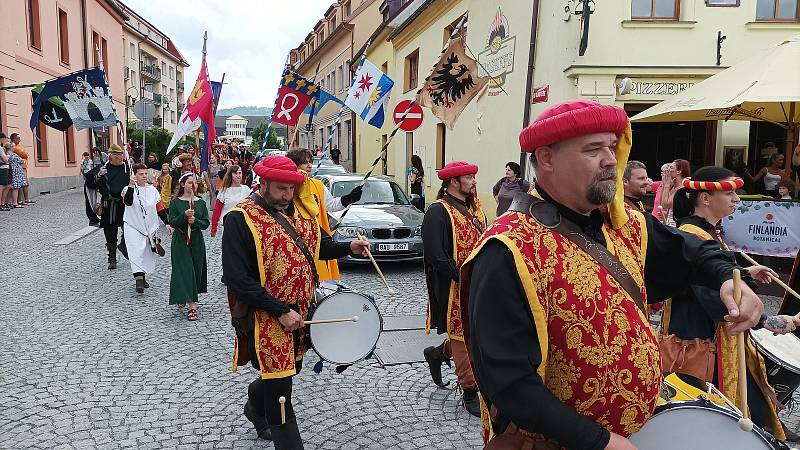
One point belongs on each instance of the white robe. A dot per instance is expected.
(141, 221)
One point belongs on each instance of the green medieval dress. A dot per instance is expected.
(189, 269)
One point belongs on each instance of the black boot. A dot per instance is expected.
(287, 436)
(435, 357)
(471, 402)
(139, 285)
(112, 256)
(258, 421)
(146, 284)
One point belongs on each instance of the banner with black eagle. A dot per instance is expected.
(453, 83)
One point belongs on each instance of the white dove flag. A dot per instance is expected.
(184, 128)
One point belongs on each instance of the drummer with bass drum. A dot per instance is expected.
(695, 342)
(268, 254)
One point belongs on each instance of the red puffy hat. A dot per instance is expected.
(457, 169)
(280, 169)
(569, 119)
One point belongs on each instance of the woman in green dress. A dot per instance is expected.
(186, 211)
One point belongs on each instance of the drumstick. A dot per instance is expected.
(316, 322)
(282, 401)
(661, 212)
(773, 278)
(744, 423)
(374, 263)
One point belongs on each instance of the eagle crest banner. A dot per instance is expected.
(453, 83)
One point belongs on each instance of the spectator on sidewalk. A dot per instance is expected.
(20, 151)
(336, 155)
(17, 174)
(5, 174)
(507, 187)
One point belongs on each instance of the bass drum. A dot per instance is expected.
(345, 343)
(700, 425)
(782, 360)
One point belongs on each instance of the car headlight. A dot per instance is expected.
(418, 231)
(349, 232)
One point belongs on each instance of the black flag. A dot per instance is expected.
(53, 113)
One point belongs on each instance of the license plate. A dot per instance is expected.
(390, 247)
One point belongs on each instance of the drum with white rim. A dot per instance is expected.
(782, 360)
(700, 425)
(348, 342)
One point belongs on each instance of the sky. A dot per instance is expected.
(248, 40)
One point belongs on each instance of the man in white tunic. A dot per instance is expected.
(143, 209)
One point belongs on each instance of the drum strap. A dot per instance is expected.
(290, 231)
(548, 216)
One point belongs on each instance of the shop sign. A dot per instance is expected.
(497, 59)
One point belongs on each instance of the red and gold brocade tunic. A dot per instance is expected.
(465, 236)
(285, 274)
(599, 355)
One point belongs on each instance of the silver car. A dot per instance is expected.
(384, 215)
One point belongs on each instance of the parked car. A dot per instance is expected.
(326, 169)
(384, 214)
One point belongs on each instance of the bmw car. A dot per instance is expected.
(384, 215)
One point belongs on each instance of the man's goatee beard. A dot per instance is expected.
(601, 193)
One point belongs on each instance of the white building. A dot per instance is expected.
(154, 69)
(236, 127)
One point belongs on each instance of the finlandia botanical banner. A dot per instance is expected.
(762, 227)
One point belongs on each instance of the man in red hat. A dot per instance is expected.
(451, 227)
(268, 254)
(553, 295)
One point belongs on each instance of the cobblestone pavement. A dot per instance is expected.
(85, 362)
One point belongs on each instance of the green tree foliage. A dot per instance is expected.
(258, 137)
(157, 140)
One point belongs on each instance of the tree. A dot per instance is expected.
(258, 137)
(157, 140)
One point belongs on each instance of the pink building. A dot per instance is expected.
(41, 40)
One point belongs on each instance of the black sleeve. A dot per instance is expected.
(240, 268)
(330, 249)
(676, 259)
(505, 348)
(164, 216)
(128, 199)
(436, 235)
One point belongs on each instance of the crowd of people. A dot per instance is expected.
(14, 183)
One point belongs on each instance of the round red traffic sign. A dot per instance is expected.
(412, 120)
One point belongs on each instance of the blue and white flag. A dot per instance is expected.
(369, 95)
(316, 104)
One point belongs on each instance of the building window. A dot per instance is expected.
(321, 34)
(655, 9)
(63, 37)
(34, 27)
(448, 31)
(781, 10)
(441, 141)
(333, 81)
(133, 51)
(163, 67)
(412, 71)
(347, 9)
(171, 73)
(69, 145)
(41, 143)
(333, 24)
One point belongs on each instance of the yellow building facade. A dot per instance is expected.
(635, 57)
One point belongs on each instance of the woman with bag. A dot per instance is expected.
(188, 215)
(695, 341)
(143, 209)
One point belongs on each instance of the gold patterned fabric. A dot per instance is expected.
(599, 355)
(465, 236)
(286, 275)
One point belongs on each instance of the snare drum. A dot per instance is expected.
(345, 343)
(699, 425)
(781, 359)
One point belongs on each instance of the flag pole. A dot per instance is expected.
(384, 150)
(113, 106)
(263, 150)
(335, 127)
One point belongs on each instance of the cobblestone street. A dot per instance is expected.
(88, 363)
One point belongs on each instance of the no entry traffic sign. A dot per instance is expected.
(413, 119)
